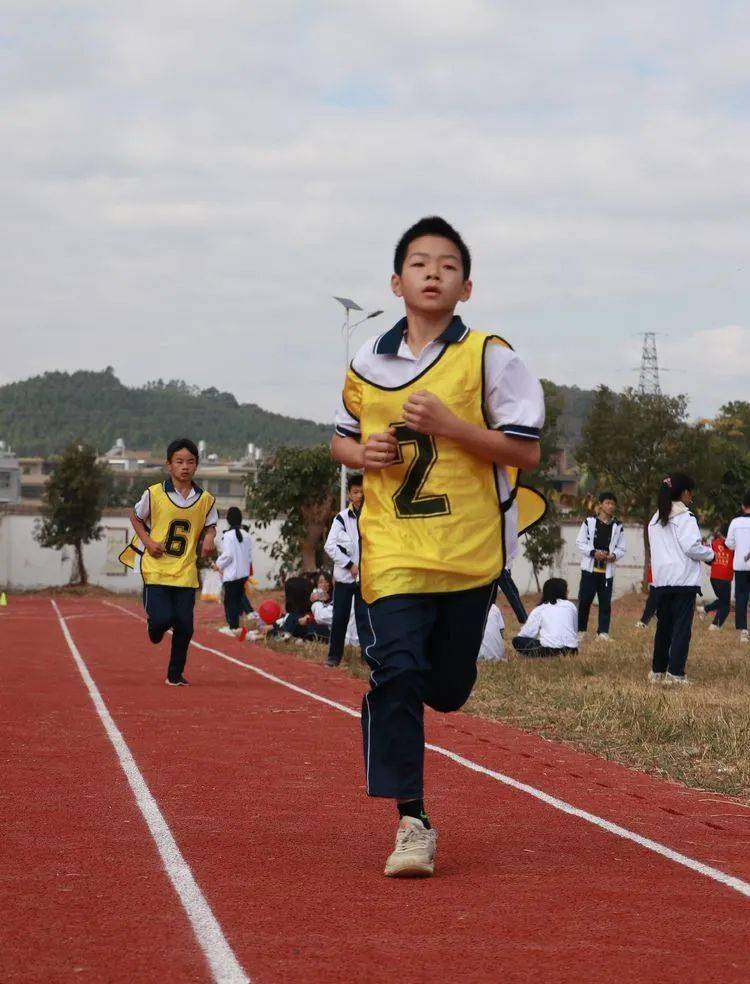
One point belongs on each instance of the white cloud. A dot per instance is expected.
(186, 184)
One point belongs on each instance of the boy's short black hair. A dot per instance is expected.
(180, 444)
(607, 495)
(431, 225)
(352, 480)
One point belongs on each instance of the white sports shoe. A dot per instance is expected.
(581, 636)
(640, 625)
(744, 636)
(714, 628)
(675, 681)
(603, 637)
(656, 677)
(225, 630)
(414, 853)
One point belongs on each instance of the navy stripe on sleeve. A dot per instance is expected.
(519, 430)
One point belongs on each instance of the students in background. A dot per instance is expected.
(551, 628)
(738, 539)
(342, 546)
(234, 563)
(721, 580)
(601, 542)
(677, 550)
(321, 601)
(493, 644)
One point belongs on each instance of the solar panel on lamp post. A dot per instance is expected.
(349, 305)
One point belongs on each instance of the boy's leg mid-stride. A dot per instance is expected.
(440, 419)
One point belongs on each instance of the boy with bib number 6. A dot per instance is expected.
(169, 520)
(441, 419)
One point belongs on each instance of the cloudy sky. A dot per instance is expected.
(185, 185)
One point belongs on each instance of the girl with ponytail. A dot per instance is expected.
(677, 550)
(235, 564)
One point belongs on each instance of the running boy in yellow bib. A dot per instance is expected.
(169, 520)
(441, 419)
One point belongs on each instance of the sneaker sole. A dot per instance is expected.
(412, 869)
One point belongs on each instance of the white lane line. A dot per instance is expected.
(730, 881)
(224, 966)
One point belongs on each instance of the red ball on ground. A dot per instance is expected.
(269, 611)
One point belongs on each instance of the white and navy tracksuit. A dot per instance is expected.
(595, 535)
(342, 546)
(677, 551)
(738, 539)
(234, 562)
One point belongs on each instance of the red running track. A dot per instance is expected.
(261, 787)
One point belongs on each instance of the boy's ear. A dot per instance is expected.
(396, 285)
(466, 292)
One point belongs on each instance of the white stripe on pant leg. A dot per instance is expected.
(222, 962)
(716, 874)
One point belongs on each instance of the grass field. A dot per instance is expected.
(601, 701)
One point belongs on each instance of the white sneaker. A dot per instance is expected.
(714, 628)
(656, 677)
(744, 636)
(640, 625)
(225, 630)
(581, 636)
(414, 853)
(603, 637)
(675, 681)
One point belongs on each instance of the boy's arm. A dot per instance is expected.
(153, 547)
(378, 451)
(618, 551)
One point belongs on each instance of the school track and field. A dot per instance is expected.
(221, 832)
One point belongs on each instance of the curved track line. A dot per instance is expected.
(716, 874)
(224, 966)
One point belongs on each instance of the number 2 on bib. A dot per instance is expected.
(408, 499)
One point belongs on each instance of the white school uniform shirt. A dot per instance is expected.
(738, 539)
(235, 558)
(322, 612)
(342, 545)
(513, 396)
(555, 626)
(493, 647)
(585, 544)
(677, 549)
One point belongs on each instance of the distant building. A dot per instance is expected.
(10, 476)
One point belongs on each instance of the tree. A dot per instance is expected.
(630, 441)
(298, 486)
(72, 504)
(544, 540)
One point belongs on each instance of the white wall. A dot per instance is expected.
(24, 564)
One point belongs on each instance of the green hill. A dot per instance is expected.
(40, 416)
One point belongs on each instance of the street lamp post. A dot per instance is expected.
(349, 305)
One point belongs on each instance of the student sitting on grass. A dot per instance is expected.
(299, 621)
(321, 600)
(552, 627)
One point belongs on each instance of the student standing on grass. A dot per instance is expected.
(342, 546)
(551, 628)
(721, 580)
(601, 542)
(738, 539)
(677, 550)
(235, 563)
(440, 418)
(169, 520)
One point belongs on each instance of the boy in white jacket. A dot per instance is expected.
(677, 550)
(601, 543)
(342, 546)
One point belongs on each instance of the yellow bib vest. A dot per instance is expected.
(179, 528)
(433, 522)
